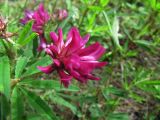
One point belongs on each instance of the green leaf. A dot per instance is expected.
(148, 82)
(153, 4)
(20, 65)
(107, 21)
(91, 21)
(115, 34)
(60, 101)
(36, 117)
(5, 76)
(4, 107)
(114, 29)
(158, 6)
(33, 68)
(104, 2)
(40, 105)
(25, 32)
(118, 116)
(28, 39)
(95, 8)
(145, 44)
(100, 29)
(131, 53)
(137, 97)
(28, 50)
(2, 47)
(48, 84)
(16, 105)
(113, 90)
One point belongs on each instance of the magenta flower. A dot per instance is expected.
(40, 17)
(72, 59)
(28, 16)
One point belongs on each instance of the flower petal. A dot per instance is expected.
(89, 66)
(73, 42)
(93, 52)
(85, 40)
(60, 39)
(40, 18)
(48, 69)
(54, 37)
(65, 78)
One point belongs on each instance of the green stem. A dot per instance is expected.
(85, 13)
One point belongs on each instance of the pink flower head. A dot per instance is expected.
(40, 18)
(61, 14)
(72, 59)
(28, 16)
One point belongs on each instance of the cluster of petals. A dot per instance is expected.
(72, 59)
(40, 17)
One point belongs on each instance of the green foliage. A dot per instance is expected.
(130, 84)
(39, 105)
(47, 84)
(17, 107)
(60, 101)
(20, 65)
(29, 38)
(5, 107)
(118, 116)
(5, 76)
(33, 67)
(104, 2)
(23, 34)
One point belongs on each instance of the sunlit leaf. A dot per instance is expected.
(104, 2)
(115, 32)
(148, 82)
(20, 65)
(25, 32)
(96, 8)
(28, 39)
(5, 76)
